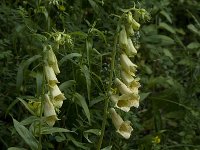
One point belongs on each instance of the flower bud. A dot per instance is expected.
(52, 61)
(123, 127)
(123, 43)
(127, 65)
(49, 111)
(129, 30)
(135, 25)
(50, 75)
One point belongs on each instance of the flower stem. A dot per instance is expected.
(107, 95)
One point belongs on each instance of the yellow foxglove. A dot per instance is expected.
(122, 87)
(135, 25)
(127, 78)
(49, 111)
(125, 101)
(123, 38)
(127, 65)
(52, 60)
(129, 30)
(130, 50)
(57, 103)
(50, 75)
(56, 94)
(134, 85)
(122, 127)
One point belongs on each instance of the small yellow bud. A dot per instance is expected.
(130, 50)
(123, 38)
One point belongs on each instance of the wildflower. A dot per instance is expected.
(52, 61)
(50, 75)
(134, 85)
(122, 127)
(49, 111)
(129, 30)
(127, 78)
(130, 50)
(56, 94)
(156, 140)
(127, 65)
(126, 101)
(123, 38)
(122, 87)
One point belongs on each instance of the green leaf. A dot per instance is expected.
(86, 72)
(144, 95)
(26, 106)
(100, 34)
(91, 131)
(192, 28)
(193, 45)
(67, 84)
(16, 148)
(80, 100)
(166, 15)
(94, 6)
(29, 120)
(166, 27)
(162, 40)
(50, 130)
(26, 135)
(68, 57)
(24, 65)
(168, 53)
(107, 148)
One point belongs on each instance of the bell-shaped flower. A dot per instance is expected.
(122, 127)
(52, 60)
(122, 87)
(56, 94)
(127, 78)
(127, 65)
(129, 30)
(49, 111)
(130, 50)
(125, 101)
(50, 75)
(123, 38)
(134, 86)
(135, 25)
(57, 103)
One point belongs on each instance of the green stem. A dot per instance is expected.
(107, 96)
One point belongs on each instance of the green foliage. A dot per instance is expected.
(82, 35)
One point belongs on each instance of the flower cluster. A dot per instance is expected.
(128, 84)
(54, 98)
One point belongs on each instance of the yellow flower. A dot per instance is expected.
(127, 78)
(126, 101)
(49, 111)
(127, 65)
(52, 60)
(56, 94)
(122, 127)
(50, 75)
(123, 38)
(130, 50)
(122, 87)
(156, 140)
(134, 85)
(129, 30)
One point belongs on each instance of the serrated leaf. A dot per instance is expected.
(24, 65)
(50, 130)
(26, 135)
(80, 100)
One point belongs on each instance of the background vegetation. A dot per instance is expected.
(168, 60)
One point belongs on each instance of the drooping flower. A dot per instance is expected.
(127, 78)
(52, 60)
(134, 86)
(123, 38)
(127, 65)
(126, 101)
(50, 75)
(49, 111)
(122, 127)
(56, 94)
(129, 30)
(130, 50)
(122, 87)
